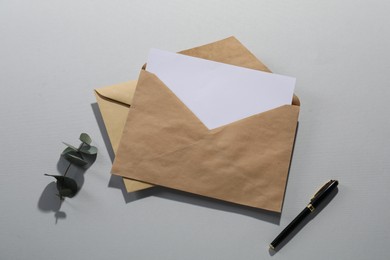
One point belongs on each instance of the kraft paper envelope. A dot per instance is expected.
(245, 162)
(114, 101)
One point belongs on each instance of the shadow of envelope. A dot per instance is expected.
(164, 143)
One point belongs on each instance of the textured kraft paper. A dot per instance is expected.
(245, 162)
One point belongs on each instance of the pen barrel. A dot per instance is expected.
(291, 227)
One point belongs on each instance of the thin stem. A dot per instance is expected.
(66, 171)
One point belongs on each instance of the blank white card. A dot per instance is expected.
(219, 93)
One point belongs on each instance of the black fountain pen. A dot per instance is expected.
(315, 201)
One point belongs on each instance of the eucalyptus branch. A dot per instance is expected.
(67, 187)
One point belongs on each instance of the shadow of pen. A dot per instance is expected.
(305, 221)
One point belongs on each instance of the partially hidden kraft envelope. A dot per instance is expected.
(158, 140)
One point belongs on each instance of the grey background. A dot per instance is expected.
(54, 53)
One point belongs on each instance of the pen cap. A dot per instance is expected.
(323, 193)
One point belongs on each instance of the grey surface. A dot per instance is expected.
(54, 53)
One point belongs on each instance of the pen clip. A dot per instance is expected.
(324, 187)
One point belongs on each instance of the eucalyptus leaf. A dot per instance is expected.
(70, 146)
(67, 187)
(87, 149)
(68, 150)
(75, 158)
(68, 183)
(66, 192)
(85, 138)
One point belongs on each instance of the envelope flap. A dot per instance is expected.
(122, 92)
(229, 51)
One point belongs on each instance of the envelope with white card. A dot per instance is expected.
(215, 147)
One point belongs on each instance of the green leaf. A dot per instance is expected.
(66, 187)
(66, 192)
(85, 138)
(68, 150)
(87, 149)
(75, 158)
(70, 146)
